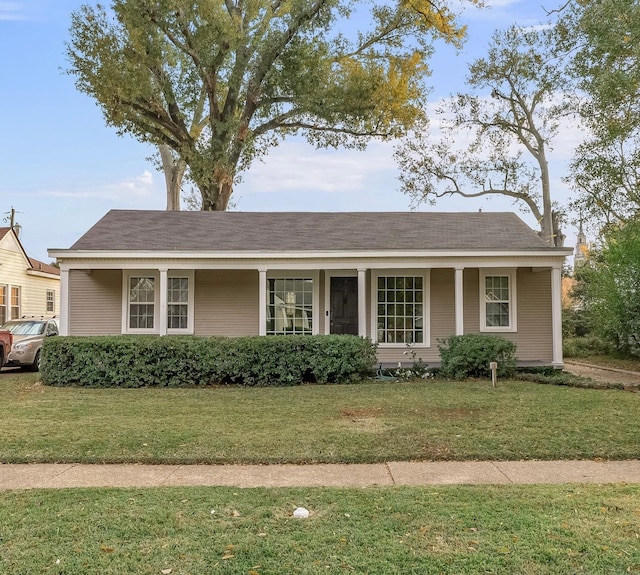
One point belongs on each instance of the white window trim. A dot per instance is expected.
(425, 274)
(513, 308)
(155, 274)
(314, 275)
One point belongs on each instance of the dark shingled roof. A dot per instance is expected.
(133, 230)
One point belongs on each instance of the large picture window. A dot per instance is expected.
(290, 306)
(497, 310)
(400, 309)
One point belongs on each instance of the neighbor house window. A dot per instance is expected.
(15, 302)
(51, 301)
(177, 303)
(401, 302)
(4, 308)
(142, 306)
(497, 310)
(290, 306)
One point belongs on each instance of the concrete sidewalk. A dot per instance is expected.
(57, 476)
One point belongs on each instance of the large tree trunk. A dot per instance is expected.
(216, 196)
(549, 225)
(174, 169)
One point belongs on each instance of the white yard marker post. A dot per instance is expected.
(494, 367)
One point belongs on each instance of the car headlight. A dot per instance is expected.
(22, 346)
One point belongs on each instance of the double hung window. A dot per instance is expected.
(142, 302)
(497, 309)
(142, 298)
(15, 302)
(4, 307)
(51, 301)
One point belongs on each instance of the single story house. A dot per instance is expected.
(28, 287)
(406, 280)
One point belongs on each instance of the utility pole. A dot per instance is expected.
(12, 221)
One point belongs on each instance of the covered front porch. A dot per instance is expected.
(398, 305)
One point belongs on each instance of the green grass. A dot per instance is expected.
(590, 529)
(370, 422)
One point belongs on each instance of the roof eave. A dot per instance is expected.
(67, 254)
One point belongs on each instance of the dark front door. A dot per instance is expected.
(344, 305)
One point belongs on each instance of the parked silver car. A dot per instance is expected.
(28, 335)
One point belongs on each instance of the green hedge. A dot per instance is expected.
(174, 361)
(469, 355)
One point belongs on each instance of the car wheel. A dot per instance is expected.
(35, 366)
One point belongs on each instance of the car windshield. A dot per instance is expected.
(24, 327)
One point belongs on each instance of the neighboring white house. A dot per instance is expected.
(28, 287)
(402, 279)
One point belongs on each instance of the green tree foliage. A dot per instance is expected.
(509, 117)
(603, 38)
(221, 81)
(610, 288)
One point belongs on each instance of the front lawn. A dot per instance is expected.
(466, 530)
(363, 423)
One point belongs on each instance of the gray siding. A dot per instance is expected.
(226, 302)
(533, 338)
(95, 302)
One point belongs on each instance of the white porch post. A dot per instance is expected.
(262, 301)
(362, 301)
(64, 300)
(162, 319)
(459, 301)
(556, 316)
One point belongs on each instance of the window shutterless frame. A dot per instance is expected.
(400, 305)
(141, 302)
(498, 309)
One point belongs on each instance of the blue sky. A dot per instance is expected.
(62, 169)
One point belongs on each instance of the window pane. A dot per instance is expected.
(497, 315)
(141, 316)
(290, 307)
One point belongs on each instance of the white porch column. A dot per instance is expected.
(556, 316)
(262, 301)
(64, 300)
(162, 319)
(362, 302)
(459, 301)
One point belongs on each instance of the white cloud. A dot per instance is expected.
(297, 166)
(12, 11)
(128, 190)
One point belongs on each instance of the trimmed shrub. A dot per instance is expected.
(469, 355)
(174, 361)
